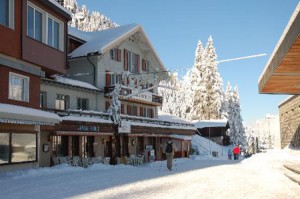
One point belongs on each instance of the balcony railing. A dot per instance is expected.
(106, 116)
(145, 97)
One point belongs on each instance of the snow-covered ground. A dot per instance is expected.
(260, 176)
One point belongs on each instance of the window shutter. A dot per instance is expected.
(119, 55)
(107, 78)
(125, 60)
(151, 90)
(128, 110)
(122, 109)
(151, 113)
(138, 63)
(107, 105)
(143, 65)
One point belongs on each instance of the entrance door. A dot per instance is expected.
(75, 145)
(90, 146)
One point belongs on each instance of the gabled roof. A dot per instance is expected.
(99, 42)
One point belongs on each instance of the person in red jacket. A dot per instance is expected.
(236, 152)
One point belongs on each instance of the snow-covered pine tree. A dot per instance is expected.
(213, 98)
(240, 137)
(232, 102)
(81, 19)
(197, 87)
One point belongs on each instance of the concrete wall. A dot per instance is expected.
(289, 115)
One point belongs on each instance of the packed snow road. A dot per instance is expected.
(260, 176)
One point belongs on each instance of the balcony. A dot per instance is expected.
(145, 97)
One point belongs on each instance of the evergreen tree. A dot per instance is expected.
(81, 19)
(213, 97)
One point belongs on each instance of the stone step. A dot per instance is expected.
(292, 171)
(293, 177)
(293, 167)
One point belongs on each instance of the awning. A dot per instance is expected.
(80, 133)
(23, 115)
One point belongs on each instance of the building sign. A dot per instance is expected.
(125, 127)
(88, 128)
(147, 96)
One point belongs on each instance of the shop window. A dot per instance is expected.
(82, 104)
(7, 13)
(60, 145)
(18, 148)
(62, 102)
(43, 99)
(18, 87)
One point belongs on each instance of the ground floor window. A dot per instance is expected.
(18, 147)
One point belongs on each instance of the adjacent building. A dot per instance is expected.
(282, 76)
(33, 44)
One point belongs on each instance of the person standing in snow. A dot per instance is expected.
(229, 154)
(236, 152)
(169, 150)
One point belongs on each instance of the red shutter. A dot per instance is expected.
(107, 78)
(138, 63)
(151, 90)
(119, 55)
(151, 113)
(107, 105)
(128, 110)
(122, 108)
(125, 60)
(141, 111)
(143, 65)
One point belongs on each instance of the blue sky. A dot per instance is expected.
(239, 28)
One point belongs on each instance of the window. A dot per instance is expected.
(131, 62)
(18, 147)
(4, 148)
(45, 28)
(145, 65)
(134, 111)
(43, 99)
(113, 78)
(82, 104)
(115, 54)
(7, 13)
(34, 20)
(53, 33)
(62, 102)
(18, 87)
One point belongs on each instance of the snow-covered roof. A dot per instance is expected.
(181, 137)
(79, 34)
(73, 82)
(163, 126)
(85, 119)
(171, 118)
(99, 42)
(13, 113)
(60, 8)
(210, 123)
